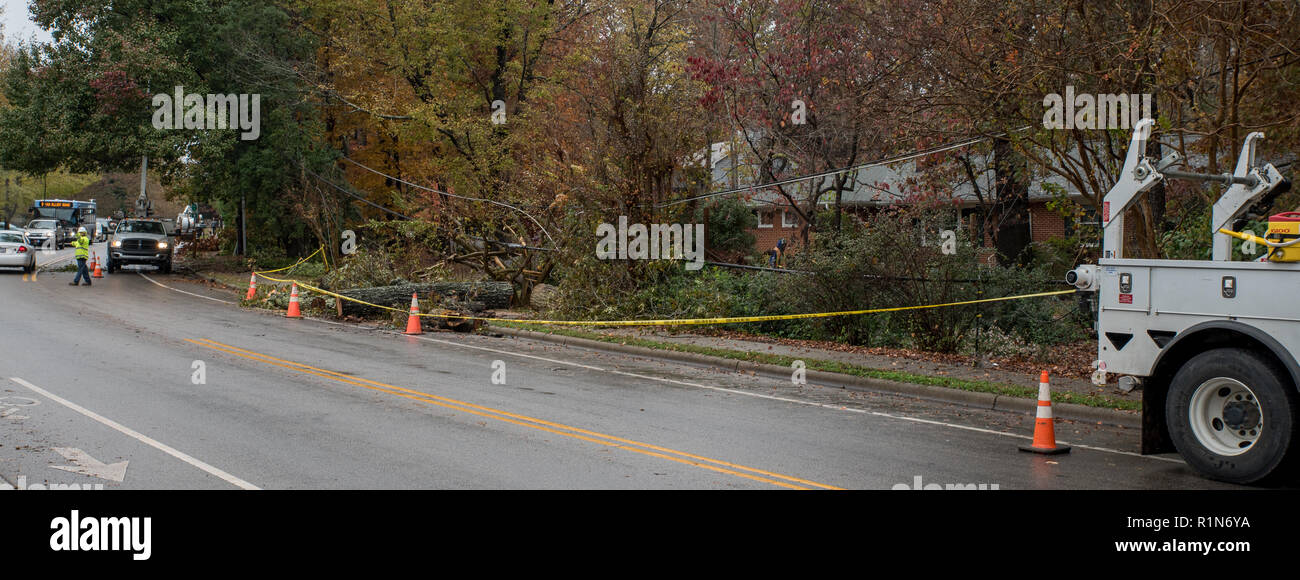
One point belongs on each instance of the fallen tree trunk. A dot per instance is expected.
(449, 322)
(490, 295)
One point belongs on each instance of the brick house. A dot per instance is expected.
(876, 188)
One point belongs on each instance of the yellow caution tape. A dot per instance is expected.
(767, 318)
(681, 321)
(292, 266)
(328, 293)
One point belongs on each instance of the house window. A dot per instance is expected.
(764, 218)
(789, 219)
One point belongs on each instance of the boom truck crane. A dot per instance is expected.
(1213, 344)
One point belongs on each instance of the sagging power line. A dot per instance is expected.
(440, 192)
(829, 173)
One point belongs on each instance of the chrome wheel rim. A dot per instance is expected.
(1225, 416)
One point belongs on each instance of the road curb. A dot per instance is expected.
(976, 399)
(199, 275)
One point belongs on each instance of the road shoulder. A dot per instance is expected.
(947, 391)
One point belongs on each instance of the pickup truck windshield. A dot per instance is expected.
(41, 225)
(140, 228)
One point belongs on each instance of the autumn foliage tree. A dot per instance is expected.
(1206, 65)
(805, 87)
(510, 127)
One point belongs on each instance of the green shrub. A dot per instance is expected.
(896, 259)
(729, 224)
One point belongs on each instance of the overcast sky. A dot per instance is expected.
(17, 26)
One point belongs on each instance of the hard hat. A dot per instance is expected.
(81, 230)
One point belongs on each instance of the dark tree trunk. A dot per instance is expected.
(487, 294)
(1011, 235)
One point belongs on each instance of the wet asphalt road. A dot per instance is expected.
(195, 393)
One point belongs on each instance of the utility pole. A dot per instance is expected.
(143, 207)
(144, 175)
(243, 228)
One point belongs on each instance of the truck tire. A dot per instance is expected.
(1232, 414)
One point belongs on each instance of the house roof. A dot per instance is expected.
(881, 185)
(888, 184)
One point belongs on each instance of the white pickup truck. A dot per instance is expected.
(1212, 343)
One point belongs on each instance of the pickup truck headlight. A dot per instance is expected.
(162, 245)
(117, 243)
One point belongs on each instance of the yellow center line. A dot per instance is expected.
(523, 420)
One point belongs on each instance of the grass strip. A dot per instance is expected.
(1088, 399)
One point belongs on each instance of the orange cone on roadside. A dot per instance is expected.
(1045, 424)
(252, 287)
(294, 311)
(413, 321)
(98, 272)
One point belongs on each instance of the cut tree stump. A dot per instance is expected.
(458, 324)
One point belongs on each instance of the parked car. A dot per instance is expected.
(16, 251)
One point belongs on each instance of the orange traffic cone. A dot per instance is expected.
(1045, 424)
(252, 287)
(98, 272)
(413, 321)
(294, 311)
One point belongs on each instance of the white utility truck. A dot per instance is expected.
(1213, 344)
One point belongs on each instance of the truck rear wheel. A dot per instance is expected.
(1232, 415)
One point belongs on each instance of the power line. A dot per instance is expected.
(409, 218)
(440, 192)
(354, 196)
(869, 164)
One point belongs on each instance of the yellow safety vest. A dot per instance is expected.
(83, 247)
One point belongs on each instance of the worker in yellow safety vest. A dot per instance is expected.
(83, 253)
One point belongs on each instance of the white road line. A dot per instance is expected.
(795, 401)
(48, 264)
(746, 393)
(138, 436)
(184, 292)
